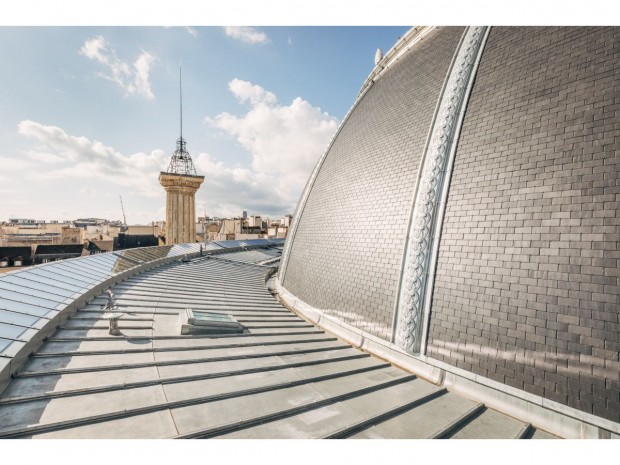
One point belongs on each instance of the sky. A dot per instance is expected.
(92, 113)
(88, 114)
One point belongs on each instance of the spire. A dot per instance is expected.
(181, 101)
(181, 161)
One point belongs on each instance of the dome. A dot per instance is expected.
(465, 216)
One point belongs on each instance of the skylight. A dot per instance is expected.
(203, 322)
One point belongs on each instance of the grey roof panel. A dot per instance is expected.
(150, 381)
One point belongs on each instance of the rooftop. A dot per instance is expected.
(281, 378)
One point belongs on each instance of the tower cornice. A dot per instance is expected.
(180, 180)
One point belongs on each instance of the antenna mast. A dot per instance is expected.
(181, 161)
(181, 100)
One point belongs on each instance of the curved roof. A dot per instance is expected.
(282, 377)
(33, 300)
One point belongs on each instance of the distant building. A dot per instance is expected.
(95, 235)
(286, 221)
(24, 239)
(21, 221)
(51, 253)
(25, 233)
(250, 227)
(255, 221)
(89, 222)
(95, 247)
(15, 256)
(209, 227)
(229, 228)
(277, 231)
(131, 241)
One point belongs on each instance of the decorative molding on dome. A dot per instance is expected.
(413, 304)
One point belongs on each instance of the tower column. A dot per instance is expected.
(180, 211)
(186, 219)
(181, 222)
(192, 215)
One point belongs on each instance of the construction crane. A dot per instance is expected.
(124, 226)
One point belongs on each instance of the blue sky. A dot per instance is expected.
(91, 113)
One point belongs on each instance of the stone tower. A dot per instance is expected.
(181, 183)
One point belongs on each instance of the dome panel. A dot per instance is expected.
(526, 289)
(347, 250)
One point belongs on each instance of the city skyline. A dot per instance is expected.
(94, 114)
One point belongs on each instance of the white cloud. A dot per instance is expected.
(59, 161)
(228, 190)
(60, 156)
(77, 173)
(247, 34)
(284, 141)
(133, 79)
(246, 91)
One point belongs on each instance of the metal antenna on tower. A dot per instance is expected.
(181, 99)
(181, 162)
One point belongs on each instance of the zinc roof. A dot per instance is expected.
(281, 378)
